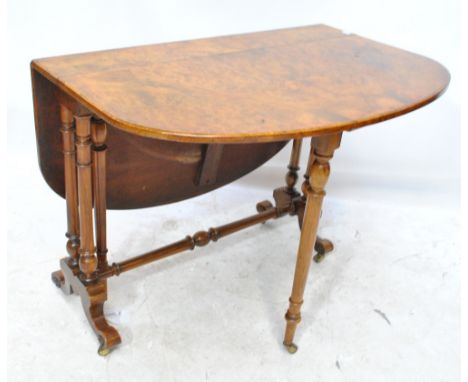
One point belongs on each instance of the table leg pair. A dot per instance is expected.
(85, 271)
(85, 170)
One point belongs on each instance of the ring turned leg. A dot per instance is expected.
(293, 167)
(289, 196)
(69, 157)
(87, 260)
(322, 246)
(322, 149)
(99, 135)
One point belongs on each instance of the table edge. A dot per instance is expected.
(152, 132)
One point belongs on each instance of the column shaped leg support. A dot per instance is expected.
(322, 150)
(83, 279)
(322, 246)
(284, 196)
(293, 167)
(71, 197)
(88, 260)
(85, 176)
(99, 135)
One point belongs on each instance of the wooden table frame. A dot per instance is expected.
(86, 270)
(156, 124)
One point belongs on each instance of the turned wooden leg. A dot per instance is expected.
(69, 156)
(293, 167)
(300, 206)
(88, 260)
(322, 246)
(93, 291)
(322, 149)
(99, 134)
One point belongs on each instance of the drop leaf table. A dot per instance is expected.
(156, 124)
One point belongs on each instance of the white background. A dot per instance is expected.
(397, 182)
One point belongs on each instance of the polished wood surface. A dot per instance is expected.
(258, 87)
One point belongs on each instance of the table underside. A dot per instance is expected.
(141, 171)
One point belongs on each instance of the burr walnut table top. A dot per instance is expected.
(257, 87)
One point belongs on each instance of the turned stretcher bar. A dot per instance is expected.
(199, 239)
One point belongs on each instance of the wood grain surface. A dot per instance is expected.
(257, 87)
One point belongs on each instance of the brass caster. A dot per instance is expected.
(322, 246)
(103, 349)
(291, 348)
(318, 258)
(264, 205)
